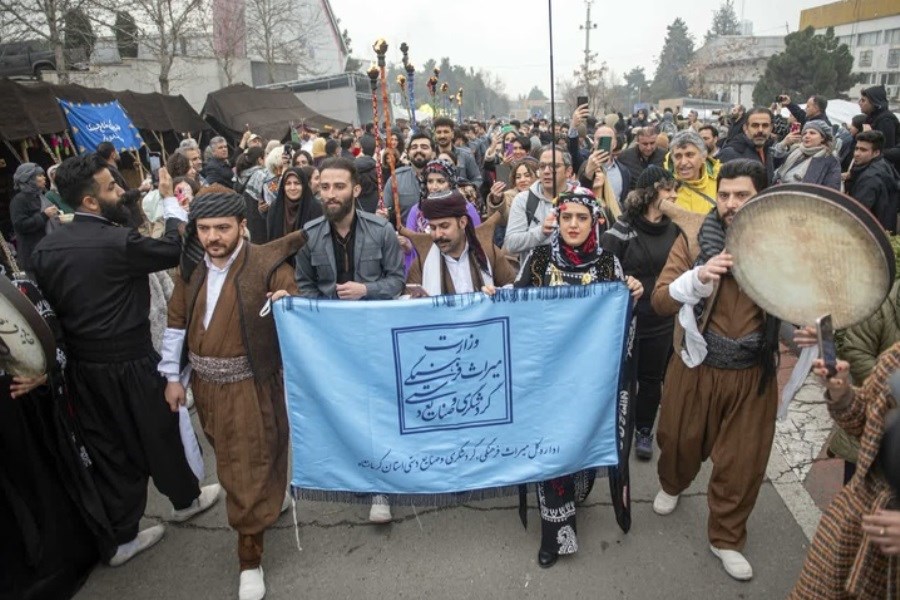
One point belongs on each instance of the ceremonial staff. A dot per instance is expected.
(404, 98)
(410, 75)
(459, 99)
(552, 96)
(445, 98)
(381, 48)
(432, 89)
(373, 82)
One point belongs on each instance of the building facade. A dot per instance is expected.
(729, 66)
(871, 30)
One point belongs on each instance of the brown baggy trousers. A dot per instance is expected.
(717, 414)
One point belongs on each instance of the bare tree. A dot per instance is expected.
(226, 36)
(163, 25)
(42, 20)
(283, 33)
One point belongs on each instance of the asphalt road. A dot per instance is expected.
(473, 551)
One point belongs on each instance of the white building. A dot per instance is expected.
(871, 30)
(729, 66)
(199, 66)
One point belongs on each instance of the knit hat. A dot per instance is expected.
(318, 148)
(652, 176)
(820, 126)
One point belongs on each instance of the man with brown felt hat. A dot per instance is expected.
(459, 259)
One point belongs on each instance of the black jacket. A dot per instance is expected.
(877, 187)
(218, 171)
(634, 161)
(30, 224)
(368, 180)
(882, 119)
(743, 147)
(642, 248)
(95, 275)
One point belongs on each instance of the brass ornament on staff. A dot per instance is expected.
(459, 104)
(381, 48)
(404, 98)
(373, 83)
(445, 98)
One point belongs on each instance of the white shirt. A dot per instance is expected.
(215, 280)
(460, 271)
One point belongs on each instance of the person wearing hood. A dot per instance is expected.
(29, 218)
(754, 142)
(872, 181)
(809, 157)
(694, 170)
(873, 102)
(368, 179)
(294, 206)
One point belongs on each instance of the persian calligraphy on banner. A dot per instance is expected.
(92, 124)
(455, 393)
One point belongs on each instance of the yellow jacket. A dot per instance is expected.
(691, 192)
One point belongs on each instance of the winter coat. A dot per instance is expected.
(882, 119)
(218, 171)
(864, 342)
(742, 147)
(30, 224)
(877, 187)
(634, 161)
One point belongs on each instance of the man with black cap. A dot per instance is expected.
(94, 272)
(219, 341)
(459, 259)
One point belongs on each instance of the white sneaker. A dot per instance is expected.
(209, 494)
(144, 539)
(734, 562)
(253, 585)
(381, 510)
(664, 504)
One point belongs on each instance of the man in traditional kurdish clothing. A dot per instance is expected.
(216, 330)
(349, 255)
(94, 273)
(459, 259)
(719, 395)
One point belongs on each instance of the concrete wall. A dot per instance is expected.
(875, 69)
(732, 65)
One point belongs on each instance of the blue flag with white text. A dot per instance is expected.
(454, 393)
(92, 124)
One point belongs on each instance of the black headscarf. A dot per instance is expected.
(310, 208)
(207, 206)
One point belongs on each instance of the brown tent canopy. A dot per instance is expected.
(31, 110)
(269, 112)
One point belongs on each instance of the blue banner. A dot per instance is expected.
(454, 393)
(95, 123)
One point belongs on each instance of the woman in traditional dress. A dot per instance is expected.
(573, 257)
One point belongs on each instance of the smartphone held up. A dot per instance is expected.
(827, 348)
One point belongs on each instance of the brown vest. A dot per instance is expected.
(255, 267)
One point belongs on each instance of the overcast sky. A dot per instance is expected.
(510, 37)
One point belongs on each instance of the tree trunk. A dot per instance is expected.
(62, 71)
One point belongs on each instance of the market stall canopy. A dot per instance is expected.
(31, 110)
(269, 112)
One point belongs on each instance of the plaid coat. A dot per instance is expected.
(842, 563)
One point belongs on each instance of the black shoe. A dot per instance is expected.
(547, 559)
(643, 444)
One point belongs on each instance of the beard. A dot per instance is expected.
(219, 249)
(418, 161)
(116, 212)
(336, 213)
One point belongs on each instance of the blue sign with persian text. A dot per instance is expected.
(454, 393)
(92, 124)
(453, 375)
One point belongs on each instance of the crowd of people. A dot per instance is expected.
(154, 297)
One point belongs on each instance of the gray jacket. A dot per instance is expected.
(522, 236)
(409, 189)
(376, 253)
(468, 166)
